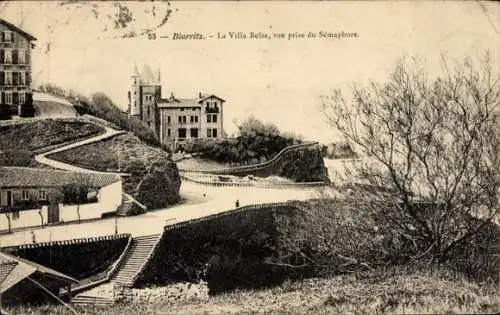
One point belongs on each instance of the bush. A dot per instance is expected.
(257, 142)
(101, 106)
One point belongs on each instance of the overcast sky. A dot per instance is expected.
(278, 81)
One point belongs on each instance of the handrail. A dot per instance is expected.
(252, 167)
(258, 184)
(110, 272)
(68, 242)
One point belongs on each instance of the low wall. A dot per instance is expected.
(258, 184)
(245, 169)
(239, 240)
(110, 198)
(78, 258)
(301, 162)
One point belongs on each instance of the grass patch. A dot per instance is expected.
(407, 290)
(37, 134)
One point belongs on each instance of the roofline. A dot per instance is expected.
(17, 29)
(209, 96)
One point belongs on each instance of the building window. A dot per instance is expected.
(182, 133)
(7, 37)
(182, 119)
(8, 78)
(22, 78)
(211, 133)
(168, 132)
(22, 98)
(7, 56)
(194, 119)
(194, 109)
(21, 57)
(42, 195)
(25, 195)
(168, 120)
(214, 118)
(8, 97)
(182, 109)
(209, 118)
(194, 132)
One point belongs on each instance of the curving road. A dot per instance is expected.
(197, 201)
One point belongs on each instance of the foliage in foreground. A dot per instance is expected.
(395, 290)
(436, 140)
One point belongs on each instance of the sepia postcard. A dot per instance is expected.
(244, 157)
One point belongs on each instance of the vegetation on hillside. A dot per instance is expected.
(101, 106)
(154, 178)
(387, 291)
(19, 140)
(256, 142)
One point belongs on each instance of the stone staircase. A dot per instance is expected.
(135, 259)
(126, 206)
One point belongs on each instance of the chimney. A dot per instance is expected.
(158, 76)
(199, 95)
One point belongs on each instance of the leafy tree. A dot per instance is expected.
(433, 140)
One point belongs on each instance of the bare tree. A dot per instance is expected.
(435, 141)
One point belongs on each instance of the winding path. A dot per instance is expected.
(197, 201)
(42, 158)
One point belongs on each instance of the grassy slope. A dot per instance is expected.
(373, 292)
(18, 141)
(41, 133)
(126, 153)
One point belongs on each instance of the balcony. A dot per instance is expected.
(212, 110)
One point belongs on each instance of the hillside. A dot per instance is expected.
(154, 178)
(19, 139)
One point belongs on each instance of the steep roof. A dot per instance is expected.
(148, 77)
(205, 96)
(34, 177)
(14, 270)
(174, 102)
(178, 102)
(17, 29)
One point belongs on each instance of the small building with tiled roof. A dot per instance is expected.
(176, 121)
(35, 197)
(23, 281)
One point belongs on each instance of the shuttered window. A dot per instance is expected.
(15, 56)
